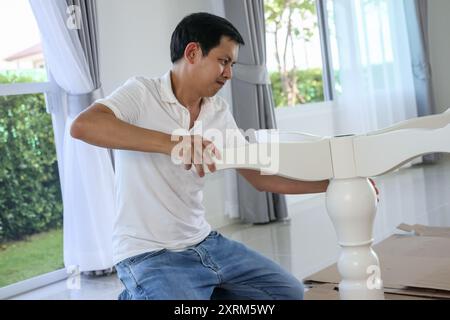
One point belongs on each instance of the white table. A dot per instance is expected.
(351, 201)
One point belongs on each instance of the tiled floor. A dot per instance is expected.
(307, 242)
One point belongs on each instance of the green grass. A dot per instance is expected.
(38, 254)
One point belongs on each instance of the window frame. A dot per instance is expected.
(11, 89)
(24, 286)
(325, 48)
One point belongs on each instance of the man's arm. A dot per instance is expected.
(277, 184)
(99, 126)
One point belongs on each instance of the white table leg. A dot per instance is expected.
(352, 205)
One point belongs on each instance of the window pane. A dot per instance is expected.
(294, 58)
(30, 197)
(20, 44)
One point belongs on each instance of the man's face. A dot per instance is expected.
(214, 70)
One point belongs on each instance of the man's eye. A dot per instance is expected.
(223, 62)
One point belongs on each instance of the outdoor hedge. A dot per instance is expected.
(30, 195)
(309, 84)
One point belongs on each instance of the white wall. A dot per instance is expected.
(134, 36)
(439, 27)
(134, 39)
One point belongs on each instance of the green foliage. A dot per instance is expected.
(309, 84)
(30, 196)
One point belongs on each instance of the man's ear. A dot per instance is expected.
(192, 52)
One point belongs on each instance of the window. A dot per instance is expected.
(298, 51)
(30, 195)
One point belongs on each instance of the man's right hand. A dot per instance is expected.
(376, 189)
(195, 151)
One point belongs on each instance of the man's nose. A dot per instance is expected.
(228, 72)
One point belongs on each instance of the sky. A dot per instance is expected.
(18, 29)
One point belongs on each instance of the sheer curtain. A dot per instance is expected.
(87, 177)
(372, 59)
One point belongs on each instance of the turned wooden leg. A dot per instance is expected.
(352, 205)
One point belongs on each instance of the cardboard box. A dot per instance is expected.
(329, 291)
(415, 264)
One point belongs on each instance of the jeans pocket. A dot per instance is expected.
(143, 256)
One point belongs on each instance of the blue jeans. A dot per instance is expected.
(216, 268)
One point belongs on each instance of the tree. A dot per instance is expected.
(286, 20)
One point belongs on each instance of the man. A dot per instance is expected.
(163, 246)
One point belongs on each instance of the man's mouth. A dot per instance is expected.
(220, 82)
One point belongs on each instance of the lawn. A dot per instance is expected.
(38, 254)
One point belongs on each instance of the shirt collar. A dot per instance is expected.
(167, 94)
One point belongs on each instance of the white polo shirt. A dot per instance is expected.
(159, 203)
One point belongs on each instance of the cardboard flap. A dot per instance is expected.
(322, 292)
(422, 230)
(327, 292)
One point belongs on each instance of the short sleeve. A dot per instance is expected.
(126, 101)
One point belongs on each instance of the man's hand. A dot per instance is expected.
(197, 151)
(376, 189)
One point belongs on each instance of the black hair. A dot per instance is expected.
(206, 29)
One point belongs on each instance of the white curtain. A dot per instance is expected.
(86, 172)
(374, 82)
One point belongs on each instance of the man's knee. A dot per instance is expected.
(292, 288)
(296, 291)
